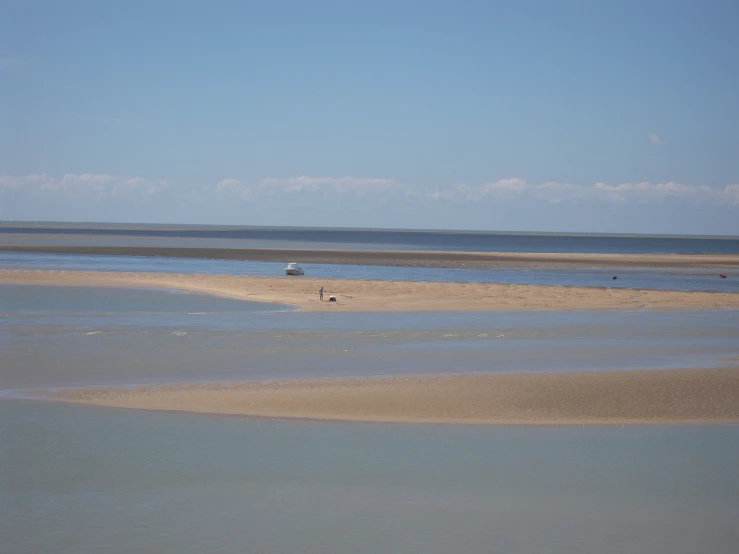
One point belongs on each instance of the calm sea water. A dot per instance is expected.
(71, 336)
(87, 480)
(372, 239)
(79, 479)
(42, 300)
(686, 280)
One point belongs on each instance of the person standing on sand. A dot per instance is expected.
(320, 294)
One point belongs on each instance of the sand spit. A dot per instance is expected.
(614, 397)
(469, 260)
(386, 296)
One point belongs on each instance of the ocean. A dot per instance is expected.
(354, 239)
(79, 479)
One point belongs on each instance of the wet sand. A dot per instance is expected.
(386, 296)
(614, 397)
(460, 260)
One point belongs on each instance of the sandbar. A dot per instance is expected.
(459, 260)
(598, 398)
(386, 296)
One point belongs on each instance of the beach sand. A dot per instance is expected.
(460, 260)
(387, 296)
(613, 397)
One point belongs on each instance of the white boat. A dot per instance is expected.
(294, 269)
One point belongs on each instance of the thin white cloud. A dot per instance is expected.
(233, 188)
(656, 140)
(505, 188)
(732, 194)
(326, 185)
(646, 192)
(83, 184)
(145, 186)
(102, 185)
(14, 182)
(236, 189)
(556, 192)
(86, 182)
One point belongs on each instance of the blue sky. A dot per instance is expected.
(531, 116)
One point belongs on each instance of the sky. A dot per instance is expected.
(558, 116)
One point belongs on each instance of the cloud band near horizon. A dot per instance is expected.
(231, 188)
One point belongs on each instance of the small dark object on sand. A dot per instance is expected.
(332, 299)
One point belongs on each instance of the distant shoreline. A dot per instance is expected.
(386, 296)
(431, 259)
(578, 398)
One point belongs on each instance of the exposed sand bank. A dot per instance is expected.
(470, 260)
(387, 296)
(626, 397)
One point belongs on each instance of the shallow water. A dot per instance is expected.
(82, 479)
(682, 279)
(45, 344)
(48, 300)
(79, 479)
